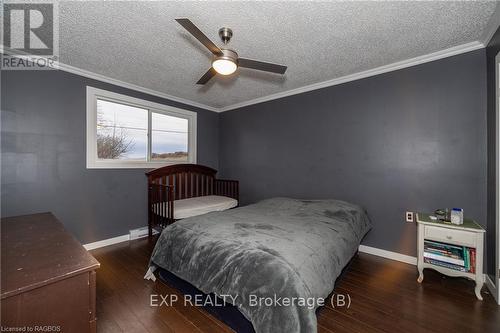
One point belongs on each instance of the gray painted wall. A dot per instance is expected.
(43, 156)
(491, 51)
(413, 139)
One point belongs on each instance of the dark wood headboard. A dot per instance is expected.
(182, 181)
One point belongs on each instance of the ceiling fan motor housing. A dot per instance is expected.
(225, 34)
(228, 55)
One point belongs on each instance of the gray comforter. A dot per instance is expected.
(275, 249)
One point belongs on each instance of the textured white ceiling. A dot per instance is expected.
(140, 43)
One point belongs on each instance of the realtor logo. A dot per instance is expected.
(29, 36)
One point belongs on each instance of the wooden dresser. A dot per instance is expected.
(47, 277)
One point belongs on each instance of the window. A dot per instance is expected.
(126, 132)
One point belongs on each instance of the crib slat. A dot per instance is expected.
(200, 185)
(211, 186)
(195, 185)
(178, 178)
(203, 186)
(188, 185)
(162, 206)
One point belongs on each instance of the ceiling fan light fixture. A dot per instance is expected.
(225, 63)
(224, 66)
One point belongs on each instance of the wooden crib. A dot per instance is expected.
(178, 182)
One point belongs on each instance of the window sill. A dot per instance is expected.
(131, 165)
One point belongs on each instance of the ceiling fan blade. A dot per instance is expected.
(261, 66)
(207, 76)
(193, 30)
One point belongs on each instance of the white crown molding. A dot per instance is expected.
(361, 75)
(492, 26)
(91, 75)
(103, 78)
(464, 48)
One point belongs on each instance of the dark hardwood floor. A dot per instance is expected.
(384, 297)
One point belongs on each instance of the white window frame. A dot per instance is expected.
(94, 163)
(497, 185)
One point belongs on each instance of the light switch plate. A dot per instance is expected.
(409, 217)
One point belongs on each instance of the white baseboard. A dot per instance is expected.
(132, 235)
(491, 287)
(388, 254)
(362, 248)
(106, 242)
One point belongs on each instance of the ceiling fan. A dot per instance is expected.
(226, 61)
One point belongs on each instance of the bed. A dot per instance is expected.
(185, 190)
(276, 248)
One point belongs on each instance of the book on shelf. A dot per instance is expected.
(473, 260)
(460, 258)
(448, 259)
(445, 264)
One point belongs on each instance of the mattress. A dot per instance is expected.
(227, 313)
(185, 208)
(276, 249)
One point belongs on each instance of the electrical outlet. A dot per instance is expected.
(409, 217)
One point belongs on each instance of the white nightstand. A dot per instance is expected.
(470, 234)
